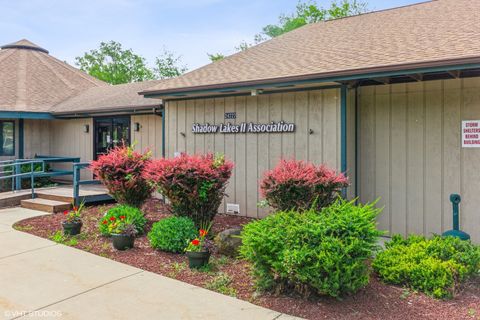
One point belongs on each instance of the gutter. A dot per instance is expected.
(345, 75)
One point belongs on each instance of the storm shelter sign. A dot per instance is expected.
(471, 134)
(244, 127)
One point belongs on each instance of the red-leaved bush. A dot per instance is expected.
(299, 185)
(194, 184)
(121, 171)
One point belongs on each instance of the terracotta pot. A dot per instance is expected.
(122, 241)
(198, 259)
(71, 228)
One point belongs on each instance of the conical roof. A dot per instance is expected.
(33, 80)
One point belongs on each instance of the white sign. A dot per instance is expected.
(471, 134)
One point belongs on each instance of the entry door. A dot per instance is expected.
(110, 132)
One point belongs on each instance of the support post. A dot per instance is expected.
(76, 185)
(343, 133)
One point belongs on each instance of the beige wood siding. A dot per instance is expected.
(252, 153)
(68, 139)
(36, 137)
(150, 134)
(410, 154)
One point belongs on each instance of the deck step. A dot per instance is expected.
(55, 197)
(45, 205)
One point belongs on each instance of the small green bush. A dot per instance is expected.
(131, 214)
(172, 234)
(435, 266)
(323, 252)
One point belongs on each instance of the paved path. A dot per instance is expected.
(54, 281)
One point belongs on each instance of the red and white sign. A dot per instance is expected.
(471, 134)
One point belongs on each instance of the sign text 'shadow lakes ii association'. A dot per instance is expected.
(244, 127)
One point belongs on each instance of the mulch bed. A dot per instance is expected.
(376, 301)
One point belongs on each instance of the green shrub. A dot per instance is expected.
(435, 266)
(172, 234)
(322, 252)
(131, 214)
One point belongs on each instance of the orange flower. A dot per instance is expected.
(104, 221)
(203, 233)
(195, 242)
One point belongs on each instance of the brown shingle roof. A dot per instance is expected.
(32, 80)
(112, 97)
(432, 33)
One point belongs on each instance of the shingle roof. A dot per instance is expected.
(32, 80)
(111, 97)
(431, 33)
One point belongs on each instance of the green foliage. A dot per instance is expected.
(114, 64)
(167, 65)
(311, 12)
(222, 284)
(323, 252)
(60, 238)
(131, 214)
(435, 266)
(215, 56)
(172, 234)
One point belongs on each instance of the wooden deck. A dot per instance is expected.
(88, 193)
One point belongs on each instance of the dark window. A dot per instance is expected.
(7, 138)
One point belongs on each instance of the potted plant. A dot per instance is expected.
(123, 233)
(197, 251)
(73, 220)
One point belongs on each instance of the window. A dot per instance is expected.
(7, 138)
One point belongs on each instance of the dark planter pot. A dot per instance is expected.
(197, 259)
(122, 241)
(71, 228)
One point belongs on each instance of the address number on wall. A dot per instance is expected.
(230, 115)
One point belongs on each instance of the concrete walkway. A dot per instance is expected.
(52, 281)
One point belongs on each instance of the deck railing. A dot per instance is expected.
(77, 180)
(13, 169)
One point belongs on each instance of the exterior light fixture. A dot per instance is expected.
(137, 126)
(256, 92)
(86, 128)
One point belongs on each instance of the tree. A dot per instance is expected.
(306, 12)
(311, 12)
(113, 64)
(167, 65)
(215, 56)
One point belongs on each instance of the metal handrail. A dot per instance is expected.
(17, 167)
(77, 180)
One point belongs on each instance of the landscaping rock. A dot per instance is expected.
(228, 242)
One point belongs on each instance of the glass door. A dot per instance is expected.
(110, 132)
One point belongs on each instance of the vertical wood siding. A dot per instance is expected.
(410, 154)
(252, 153)
(150, 134)
(68, 139)
(37, 137)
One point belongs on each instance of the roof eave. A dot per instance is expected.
(335, 76)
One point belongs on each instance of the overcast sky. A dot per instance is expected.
(190, 28)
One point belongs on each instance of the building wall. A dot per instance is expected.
(410, 154)
(254, 153)
(150, 134)
(68, 139)
(36, 137)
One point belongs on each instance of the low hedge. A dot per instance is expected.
(132, 214)
(322, 252)
(434, 266)
(172, 234)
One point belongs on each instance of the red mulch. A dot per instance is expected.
(376, 301)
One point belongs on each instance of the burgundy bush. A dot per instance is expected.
(121, 171)
(298, 185)
(194, 184)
